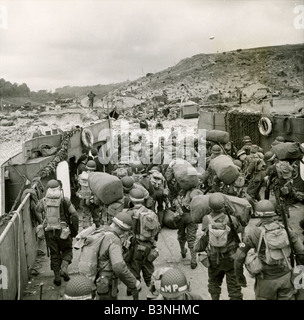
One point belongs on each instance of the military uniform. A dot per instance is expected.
(274, 282)
(111, 264)
(144, 251)
(61, 251)
(222, 262)
(282, 188)
(256, 172)
(186, 228)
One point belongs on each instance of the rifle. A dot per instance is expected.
(293, 256)
(267, 192)
(229, 211)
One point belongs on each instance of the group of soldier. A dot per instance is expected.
(126, 256)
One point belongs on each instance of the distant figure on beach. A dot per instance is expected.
(91, 97)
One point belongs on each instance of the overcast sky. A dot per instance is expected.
(50, 44)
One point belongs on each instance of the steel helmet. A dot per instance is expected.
(216, 201)
(137, 168)
(123, 220)
(127, 183)
(173, 283)
(52, 184)
(91, 165)
(269, 156)
(265, 208)
(216, 149)
(78, 288)
(246, 139)
(137, 195)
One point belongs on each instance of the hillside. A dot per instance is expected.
(220, 78)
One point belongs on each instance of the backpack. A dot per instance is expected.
(277, 244)
(52, 202)
(149, 225)
(84, 190)
(284, 170)
(218, 233)
(88, 258)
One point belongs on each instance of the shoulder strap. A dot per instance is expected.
(260, 240)
(212, 220)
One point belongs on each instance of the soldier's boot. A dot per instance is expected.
(183, 249)
(57, 279)
(64, 270)
(160, 215)
(193, 262)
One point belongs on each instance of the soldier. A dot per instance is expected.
(99, 166)
(86, 197)
(274, 279)
(111, 264)
(91, 97)
(141, 179)
(160, 192)
(222, 245)
(57, 215)
(187, 229)
(255, 173)
(144, 247)
(175, 286)
(210, 180)
(279, 178)
(127, 184)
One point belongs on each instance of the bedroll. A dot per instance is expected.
(199, 207)
(288, 151)
(225, 169)
(185, 175)
(106, 187)
(218, 136)
(170, 219)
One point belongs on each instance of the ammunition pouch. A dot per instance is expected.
(153, 254)
(107, 284)
(103, 285)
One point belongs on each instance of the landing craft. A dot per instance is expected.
(23, 177)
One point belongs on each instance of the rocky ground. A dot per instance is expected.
(12, 137)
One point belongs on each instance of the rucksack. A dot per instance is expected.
(149, 225)
(88, 258)
(218, 233)
(284, 170)
(277, 244)
(84, 190)
(52, 202)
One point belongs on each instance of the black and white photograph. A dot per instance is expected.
(151, 150)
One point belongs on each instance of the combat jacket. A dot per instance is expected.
(111, 261)
(40, 214)
(251, 240)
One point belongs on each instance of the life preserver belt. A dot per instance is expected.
(87, 137)
(265, 126)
